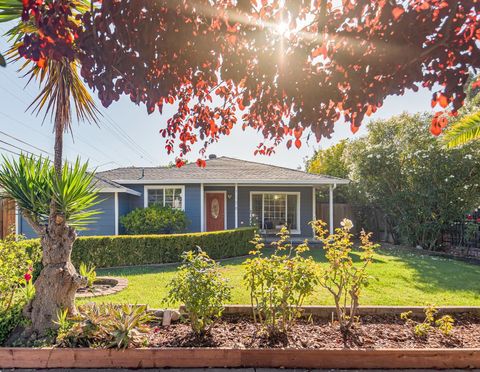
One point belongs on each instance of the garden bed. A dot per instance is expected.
(103, 286)
(381, 340)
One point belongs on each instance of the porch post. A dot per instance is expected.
(17, 221)
(202, 209)
(116, 213)
(236, 205)
(330, 215)
(314, 207)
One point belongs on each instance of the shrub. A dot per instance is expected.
(17, 258)
(106, 325)
(155, 220)
(9, 319)
(421, 329)
(201, 288)
(279, 283)
(107, 251)
(342, 278)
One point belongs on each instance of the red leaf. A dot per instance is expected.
(298, 143)
(443, 100)
(201, 163)
(289, 144)
(354, 128)
(179, 163)
(397, 12)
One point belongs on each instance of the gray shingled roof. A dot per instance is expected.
(219, 170)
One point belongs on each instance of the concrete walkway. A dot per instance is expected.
(225, 370)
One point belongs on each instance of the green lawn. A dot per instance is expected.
(404, 278)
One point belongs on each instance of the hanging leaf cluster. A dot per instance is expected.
(289, 69)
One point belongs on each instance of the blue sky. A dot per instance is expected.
(127, 135)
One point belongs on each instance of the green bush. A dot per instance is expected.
(279, 283)
(9, 319)
(155, 220)
(107, 251)
(130, 250)
(200, 286)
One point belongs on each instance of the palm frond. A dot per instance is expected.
(465, 130)
(59, 81)
(62, 85)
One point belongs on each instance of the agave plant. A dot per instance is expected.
(466, 130)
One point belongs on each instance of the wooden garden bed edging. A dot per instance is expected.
(206, 357)
(327, 311)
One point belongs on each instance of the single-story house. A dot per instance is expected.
(226, 194)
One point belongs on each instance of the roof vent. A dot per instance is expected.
(212, 156)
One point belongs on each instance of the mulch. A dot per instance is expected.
(388, 331)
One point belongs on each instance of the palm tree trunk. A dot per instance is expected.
(58, 281)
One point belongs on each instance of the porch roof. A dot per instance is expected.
(223, 170)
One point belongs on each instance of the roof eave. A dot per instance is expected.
(338, 181)
(122, 190)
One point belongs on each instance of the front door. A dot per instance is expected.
(215, 210)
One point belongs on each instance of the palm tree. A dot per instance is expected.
(465, 130)
(62, 92)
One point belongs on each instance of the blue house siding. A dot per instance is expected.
(306, 206)
(103, 225)
(230, 202)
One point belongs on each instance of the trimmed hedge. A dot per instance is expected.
(127, 250)
(130, 250)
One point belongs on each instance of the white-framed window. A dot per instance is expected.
(172, 196)
(271, 210)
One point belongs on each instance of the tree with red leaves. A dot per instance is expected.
(283, 67)
(286, 68)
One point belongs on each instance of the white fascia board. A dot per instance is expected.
(240, 182)
(112, 189)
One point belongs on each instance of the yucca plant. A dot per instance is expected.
(54, 199)
(466, 130)
(35, 186)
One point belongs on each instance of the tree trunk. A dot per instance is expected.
(58, 281)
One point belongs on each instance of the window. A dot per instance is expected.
(270, 211)
(164, 196)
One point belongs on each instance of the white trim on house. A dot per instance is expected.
(116, 214)
(240, 182)
(236, 205)
(202, 208)
(160, 187)
(225, 208)
(298, 231)
(330, 202)
(17, 219)
(113, 189)
(314, 207)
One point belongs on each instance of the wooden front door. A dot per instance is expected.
(215, 210)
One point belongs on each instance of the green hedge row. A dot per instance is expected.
(129, 250)
(107, 251)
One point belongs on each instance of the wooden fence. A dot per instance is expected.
(7, 217)
(371, 219)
